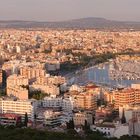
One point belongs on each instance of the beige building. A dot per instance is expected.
(17, 80)
(18, 91)
(81, 117)
(32, 72)
(52, 90)
(14, 86)
(127, 97)
(51, 80)
(108, 97)
(135, 86)
(86, 101)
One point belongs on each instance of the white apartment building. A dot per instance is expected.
(52, 102)
(68, 104)
(52, 119)
(19, 107)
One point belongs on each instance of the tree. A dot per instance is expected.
(35, 117)
(70, 124)
(26, 119)
(123, 119)
(86, 127)
(93, 120)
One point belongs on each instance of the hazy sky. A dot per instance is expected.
(52, 10)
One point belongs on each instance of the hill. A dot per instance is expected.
(83, 23)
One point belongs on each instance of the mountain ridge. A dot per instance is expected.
(89, 23)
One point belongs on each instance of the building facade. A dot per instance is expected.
(19, 107)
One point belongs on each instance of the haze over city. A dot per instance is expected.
(58, 10)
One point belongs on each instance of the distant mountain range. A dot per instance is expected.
(83, 23)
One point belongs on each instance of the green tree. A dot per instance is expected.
(123, 119)
(93, 120)
(86, 127)
(26, 119)
(70, 124)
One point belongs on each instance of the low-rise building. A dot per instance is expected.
(51, 90)
(81, 117)
(111, 130)
(10, 119)
(52, 119)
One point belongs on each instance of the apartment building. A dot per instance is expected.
(52, 90)
(14, 86)
(51, 80)
(81, 117)
(17, 80)
(18, 91)
(10, 119)
(86, 101)
(52, 118)
(68, 104)
(127, 96)
(32, 72)
(52, 102)
(19, 107)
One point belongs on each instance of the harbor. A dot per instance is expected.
(101, 75)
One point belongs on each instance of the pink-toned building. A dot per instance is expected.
(51, 90)
(10, 119)
(18, 91)
(17, 80)
(32, 72)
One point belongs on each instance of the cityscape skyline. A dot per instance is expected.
(69, 69)
(60, 10)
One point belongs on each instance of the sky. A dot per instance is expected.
(59, 10)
